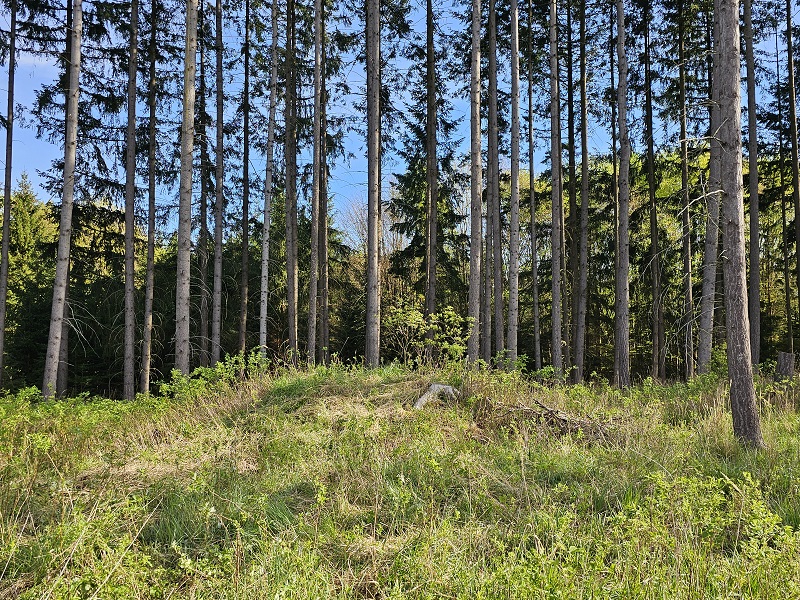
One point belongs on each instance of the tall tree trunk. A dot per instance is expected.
(182, 295)
(202, 242)
(622, 370)
(688, 306)
(486, 327)
(787, 288)
(493, 166)
(476, 185)
(65, 227)
(290, 153)
(513, 238)
(571, 230)
(431, 174)
(12, 64)
(746, 422)
(315, 186)
(711, 246)
(129, 386)
(268, 186)
(219, 196)
(323, 342)
(754, 285)
(793, 127)
(147, 334)
(373, 316)
(659, 354)
(557, 212)
(245, 281)
(537, 336)
(583, 259)
(62, 378)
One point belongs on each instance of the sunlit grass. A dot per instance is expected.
(328, 484)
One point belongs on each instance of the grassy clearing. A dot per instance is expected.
(327, 484)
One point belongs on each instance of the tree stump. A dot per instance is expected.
(435, 391)
(785, 366)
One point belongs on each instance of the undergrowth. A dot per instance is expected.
(326, 483)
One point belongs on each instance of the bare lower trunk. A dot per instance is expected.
(583, 258)
(147, 334)
(12, 62)
(622, 370)
(493, 164)
(537, 336)
(219, 199)
(373, 316)
(711, 247)
(659, 354)
(129, 386)
(65, 227)
(754, 282)
(476, 185)
(313, 274)
(570, 234)
(273, 105)
(202, 242)
(793, 128)
(486, 328)
(555, 158)
(245, 281)
(324, 338)
(787, 288)
(513, 238)
(62, 379)
(688, 306)
(431, 174)
(746, 422)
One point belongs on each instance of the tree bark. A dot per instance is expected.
(219, 189)
(245, 281)
(324, 341)
(793, 127)
(68, 193)
(476, 185)
(129, 359)
(513, 238)
(486, 328)
(268, 185)
(493, 166)
(658, 370)
(147, 334)
(622, 370)
(754, 285)
(202, 242)
(571, 229)
(12, 64)
(290, 153)
(537, 337)
(557, 209)
(787, 288)
(688, 306)
(373, 316)
(583, 258)
(431, 175)
(315, 186)
(711, 246)
(746, 421)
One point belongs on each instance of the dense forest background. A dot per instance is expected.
(282, 86)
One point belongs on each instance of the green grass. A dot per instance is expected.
(328, 484)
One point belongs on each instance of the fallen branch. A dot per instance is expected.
(494, 415)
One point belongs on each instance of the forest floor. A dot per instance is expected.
(329, 484)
